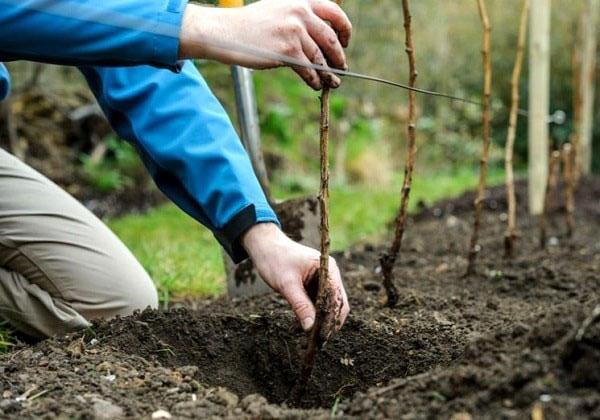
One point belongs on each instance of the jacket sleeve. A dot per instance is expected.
(188, 144)
(91, 32)
(4, 82)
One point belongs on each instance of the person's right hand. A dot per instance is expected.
(311, 31)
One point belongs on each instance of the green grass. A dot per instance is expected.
(184, 259)
(5, 337)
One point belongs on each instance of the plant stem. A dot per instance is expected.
(483, 164)
(389, 259)
(511, 230)
(324, 302)
(568, 157)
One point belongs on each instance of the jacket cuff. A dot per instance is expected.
(230, 235)
(166, 39)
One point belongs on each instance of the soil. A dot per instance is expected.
(511, 340)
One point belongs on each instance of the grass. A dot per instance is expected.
(5, 333)
(184, 259)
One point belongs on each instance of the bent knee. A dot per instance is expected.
(122, 294)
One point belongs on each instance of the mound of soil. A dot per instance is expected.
(519, 337)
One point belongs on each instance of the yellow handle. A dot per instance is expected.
(231, 3)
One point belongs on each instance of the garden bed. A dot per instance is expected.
(493, 345)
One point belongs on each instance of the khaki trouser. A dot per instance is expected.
(60, 266)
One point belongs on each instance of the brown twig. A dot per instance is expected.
(553, 171)
(324, 301)
(389, 259)
(483, 165)
(511, 230)
(567, 157)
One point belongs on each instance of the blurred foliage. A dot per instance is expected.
(114, 170)
(6, 341)
(448, 43)
(370, 118)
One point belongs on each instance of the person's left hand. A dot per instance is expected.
(287, 267)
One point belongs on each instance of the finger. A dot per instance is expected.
(340, 297)
(315, 56)
(309, 75)
(294, 292)
(328, 42)
(331, 12)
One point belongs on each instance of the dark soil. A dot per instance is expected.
(493, 345)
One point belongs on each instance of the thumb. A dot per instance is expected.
(301, 304)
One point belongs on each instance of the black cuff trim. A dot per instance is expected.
(229, 237)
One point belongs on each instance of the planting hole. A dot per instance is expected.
(262, 353)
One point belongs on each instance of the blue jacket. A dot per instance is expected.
(127, 50)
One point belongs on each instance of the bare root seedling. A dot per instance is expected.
(324, 301)
(389, 259)
(483, 165)
(511, 229)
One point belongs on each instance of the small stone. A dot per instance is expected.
(161, 414)
(225, 397)
(106, 410)
(190, 371)
(545, 398)
(442, 268)
(452, 221)
(105, 367)
(553, 241)
(253, 403)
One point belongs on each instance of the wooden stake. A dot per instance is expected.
(324, 302)
(588, 73)
(389, 259)
(567, 157)
(539, 103)
(511, 230)
(553, 173)
(577, 96)
(483, 165)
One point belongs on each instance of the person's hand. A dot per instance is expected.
(287, 267)
(311, 31)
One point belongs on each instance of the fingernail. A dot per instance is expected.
(307, 323)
